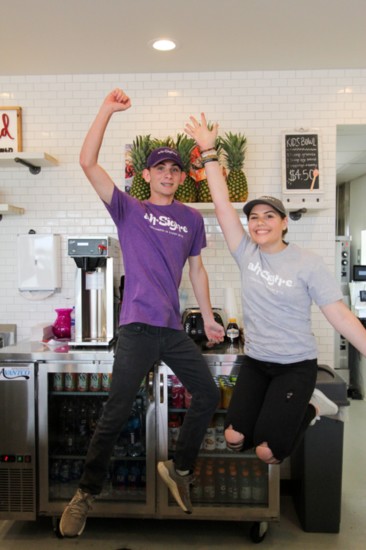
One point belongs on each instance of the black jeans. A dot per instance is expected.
(139, 347)
(271, 403)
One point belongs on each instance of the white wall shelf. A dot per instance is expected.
(33, 161)
(295, 210)
(210, 207)
(9, 210)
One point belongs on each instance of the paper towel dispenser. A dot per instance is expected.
(39, 262)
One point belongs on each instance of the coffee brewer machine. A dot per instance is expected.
(96, 307)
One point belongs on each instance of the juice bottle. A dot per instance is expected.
(232, 331)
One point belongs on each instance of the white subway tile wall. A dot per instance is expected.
(58, 109)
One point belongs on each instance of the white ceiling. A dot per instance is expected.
(112, 36)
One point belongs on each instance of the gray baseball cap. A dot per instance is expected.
(265, 199)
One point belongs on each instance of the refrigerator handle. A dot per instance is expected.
(161, 387)
(150, 386)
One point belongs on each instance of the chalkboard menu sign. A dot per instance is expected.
(301, 162)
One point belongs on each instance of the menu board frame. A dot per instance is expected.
(10, 129)
(302, 171)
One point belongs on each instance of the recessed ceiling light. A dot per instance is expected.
(163, 44)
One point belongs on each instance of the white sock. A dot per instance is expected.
(182, 472)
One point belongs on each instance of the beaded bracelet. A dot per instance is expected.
(211, 159)
(209, 153)
(207, 157)
(207, 150)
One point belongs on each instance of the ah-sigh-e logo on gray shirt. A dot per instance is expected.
(269, 278)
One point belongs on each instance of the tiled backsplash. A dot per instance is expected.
(57, 111)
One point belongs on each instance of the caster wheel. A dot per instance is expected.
(258, 531)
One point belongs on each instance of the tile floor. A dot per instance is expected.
(140, 534)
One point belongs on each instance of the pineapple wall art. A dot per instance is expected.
(231, 150)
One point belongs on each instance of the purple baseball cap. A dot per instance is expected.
(161, 154)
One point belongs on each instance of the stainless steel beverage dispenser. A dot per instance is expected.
(95, 304)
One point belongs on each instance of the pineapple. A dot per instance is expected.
(187, 191)
(234, 146)
(204, 194)
(141, 148)
(162, 142)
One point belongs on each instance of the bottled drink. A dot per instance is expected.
(58, 381)
(95, 381)
(120, 476)
(68, 426)
(143, 476)
(245, 488)
(121, 446)
(65, 471)
(209, 484)
(135, 447)
(209, 440)
(220, 443)
(259, 490)
(197, 488)
(187, 399)
(107, 490)
(232, 331)
(93, 416)
(227, 392)
(106, 381)
(82, 382)
(177, 393)
(82, 427)
(133, 477)
(70, 381)
(72, 325)
(55, 470)
(221, 484)
(232, 484)
(173, 431)
(76, 469)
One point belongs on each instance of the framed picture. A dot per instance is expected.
(301, 162)
(10, 129)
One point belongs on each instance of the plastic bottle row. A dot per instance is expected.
(214, 438)
(230, 481)
(72, 423)
(180, 398)
(81, 382)
(124, 477)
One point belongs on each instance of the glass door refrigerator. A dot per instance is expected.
(229, 485)
(71, 399)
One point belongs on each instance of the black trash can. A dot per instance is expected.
(316, 465)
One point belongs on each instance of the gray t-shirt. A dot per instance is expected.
(277, 294)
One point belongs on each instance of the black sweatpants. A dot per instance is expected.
(271, 403)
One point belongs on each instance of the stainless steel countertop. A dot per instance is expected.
(28, 351)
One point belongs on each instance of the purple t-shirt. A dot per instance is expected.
(155, 242)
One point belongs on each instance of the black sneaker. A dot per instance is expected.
(178, 485)
(73, 519)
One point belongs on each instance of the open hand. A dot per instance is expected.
(204, 137)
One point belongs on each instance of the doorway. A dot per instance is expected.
(351, 185)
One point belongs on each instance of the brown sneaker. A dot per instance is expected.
(179, 486)
(73, 519)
